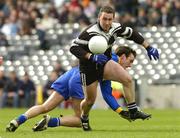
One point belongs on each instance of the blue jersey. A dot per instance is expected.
(69, 85)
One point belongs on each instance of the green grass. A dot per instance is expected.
(105, 124)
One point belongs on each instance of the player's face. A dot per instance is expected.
(126, 62)
(106, 20)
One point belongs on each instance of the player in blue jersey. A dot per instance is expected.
(69, 85)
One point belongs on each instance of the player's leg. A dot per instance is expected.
(106, 91)
(86, 104)
(54, 99)
(68, 121)
(113, 71)
(74, 90)
(72, 120)
(90, 97)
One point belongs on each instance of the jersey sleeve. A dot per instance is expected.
(107, 94)
(128, 33)
(79, 46)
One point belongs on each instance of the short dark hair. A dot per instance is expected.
(107, 9)
(125, 50)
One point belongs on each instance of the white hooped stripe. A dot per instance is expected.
(126, 32)
(83, 78)
(80, 41)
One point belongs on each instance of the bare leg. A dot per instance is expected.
(114, 71)
(54, 99)
(90, 97)
(72, 120)
(34, 111)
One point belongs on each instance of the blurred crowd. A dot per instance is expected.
(22, 92)
(27, 17)
(23, 16)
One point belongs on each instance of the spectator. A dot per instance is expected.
(47, 21)
(58, 68)
(165, 17)
(128, 20)
(47, 87)
(52, 11)
(3, 40)
(154, 18)
(89, 8)
(3, 81)
(142, 19)
(80, 16)
(25, 28)
(176, 12)
(10, 26)
(6, 6)
(64, 14)
(2, 19)
(11, 90)
(27, 90)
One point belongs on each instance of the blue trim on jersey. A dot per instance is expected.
(107, 94)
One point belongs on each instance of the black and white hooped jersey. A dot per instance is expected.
(116, 30)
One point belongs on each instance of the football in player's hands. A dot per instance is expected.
(98, 44)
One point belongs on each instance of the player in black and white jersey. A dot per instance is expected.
(97, 67)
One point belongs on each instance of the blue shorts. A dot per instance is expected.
(69, 84)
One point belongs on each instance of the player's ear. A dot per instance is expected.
(123, 57)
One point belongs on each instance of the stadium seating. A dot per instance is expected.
(23, 54)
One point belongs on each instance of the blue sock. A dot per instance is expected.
(21, 119)
(54, 122)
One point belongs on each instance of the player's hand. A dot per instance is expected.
(152, 52)
(99, 58)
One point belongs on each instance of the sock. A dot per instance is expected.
(21, 119)
(118, 110)
(85, 117)
(54, 122)
(132, 107)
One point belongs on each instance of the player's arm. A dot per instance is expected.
(81, 50)
(108, 97)
(79, 46)
(132, 34)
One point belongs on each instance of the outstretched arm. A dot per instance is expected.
(108, 97)
(111, 101)
(132, 34)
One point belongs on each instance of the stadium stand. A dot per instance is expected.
(45, 32)
(40, 62)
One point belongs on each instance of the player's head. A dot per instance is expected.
(105, 17)
(126, 56)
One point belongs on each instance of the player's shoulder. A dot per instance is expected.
(116, 25)
(92, 28)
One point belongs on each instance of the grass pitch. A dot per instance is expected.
(105, 124)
